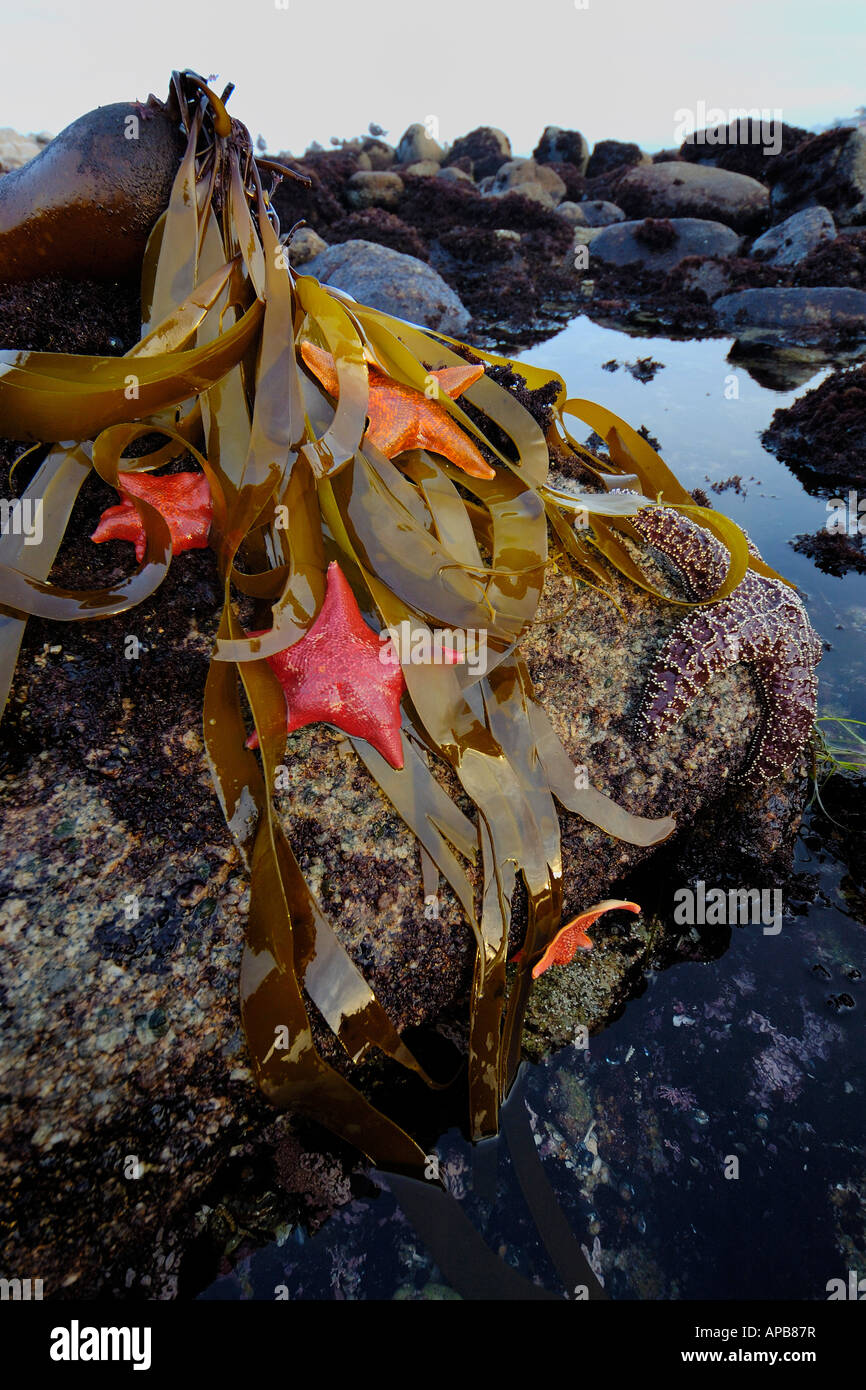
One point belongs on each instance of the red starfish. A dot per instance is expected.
(183, 499)
(402, 418)
(567, 940)
(338, 673)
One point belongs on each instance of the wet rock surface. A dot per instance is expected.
(391, 281)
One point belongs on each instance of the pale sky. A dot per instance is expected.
(616, 69)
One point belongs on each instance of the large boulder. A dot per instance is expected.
(791, 241)
(827, 171)
(487, 148)
(690, 190)
(811, 310)
(87, 203)
(662, 244)
(396, 284)
(558, 146)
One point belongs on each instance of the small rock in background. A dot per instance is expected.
(455, 175)
(396, 284)
(663, 243)
(608, 155)
(380, 155)
(487, 147)
(304, 245)
(16, 149)
(600, 214)
(422, 169)
(558, 146)
(530, 179)
(374, 188)
(827, 170)
(693, 190)
(791, 241)
(415, 144)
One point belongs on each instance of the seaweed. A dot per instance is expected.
(296, 484)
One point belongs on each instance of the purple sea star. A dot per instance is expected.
(763, 622)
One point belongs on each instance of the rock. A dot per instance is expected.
(828, 170)
(380, 154)
(422, 169)
(584, 236)
(16, 149)
(600, 214)
(87, 203)
(374, 188)
(707, 275)
(558, 146)
(745, 147)
(663, 244)
(363, 160)
(791, 241)
(802, 308)
(573, 213)
(305, 244)
(396, 284)
(453, 175)
(415, 144)
(691, 190)
(139, 1045)
(520, 174)
(487, 147)
(614, 154)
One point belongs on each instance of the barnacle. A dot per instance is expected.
(296, 483)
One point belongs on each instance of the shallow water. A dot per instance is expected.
(756, 1056)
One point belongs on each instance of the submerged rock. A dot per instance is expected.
(810, 310)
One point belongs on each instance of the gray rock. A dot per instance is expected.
(664, 245)
(486, 146)
(815, 309)
(712, 277)
(792, 240)
(519, 175)
(396, 284)
(305, 244)
(415, 144)
(558, 146)
(679, 189)
(573, 213)
(600, 214)
(827, 171)
(374, 188)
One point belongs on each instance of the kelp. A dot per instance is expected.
(295, 485)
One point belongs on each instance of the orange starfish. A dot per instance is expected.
(573, 935)
(183, 499)
(402, 418)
